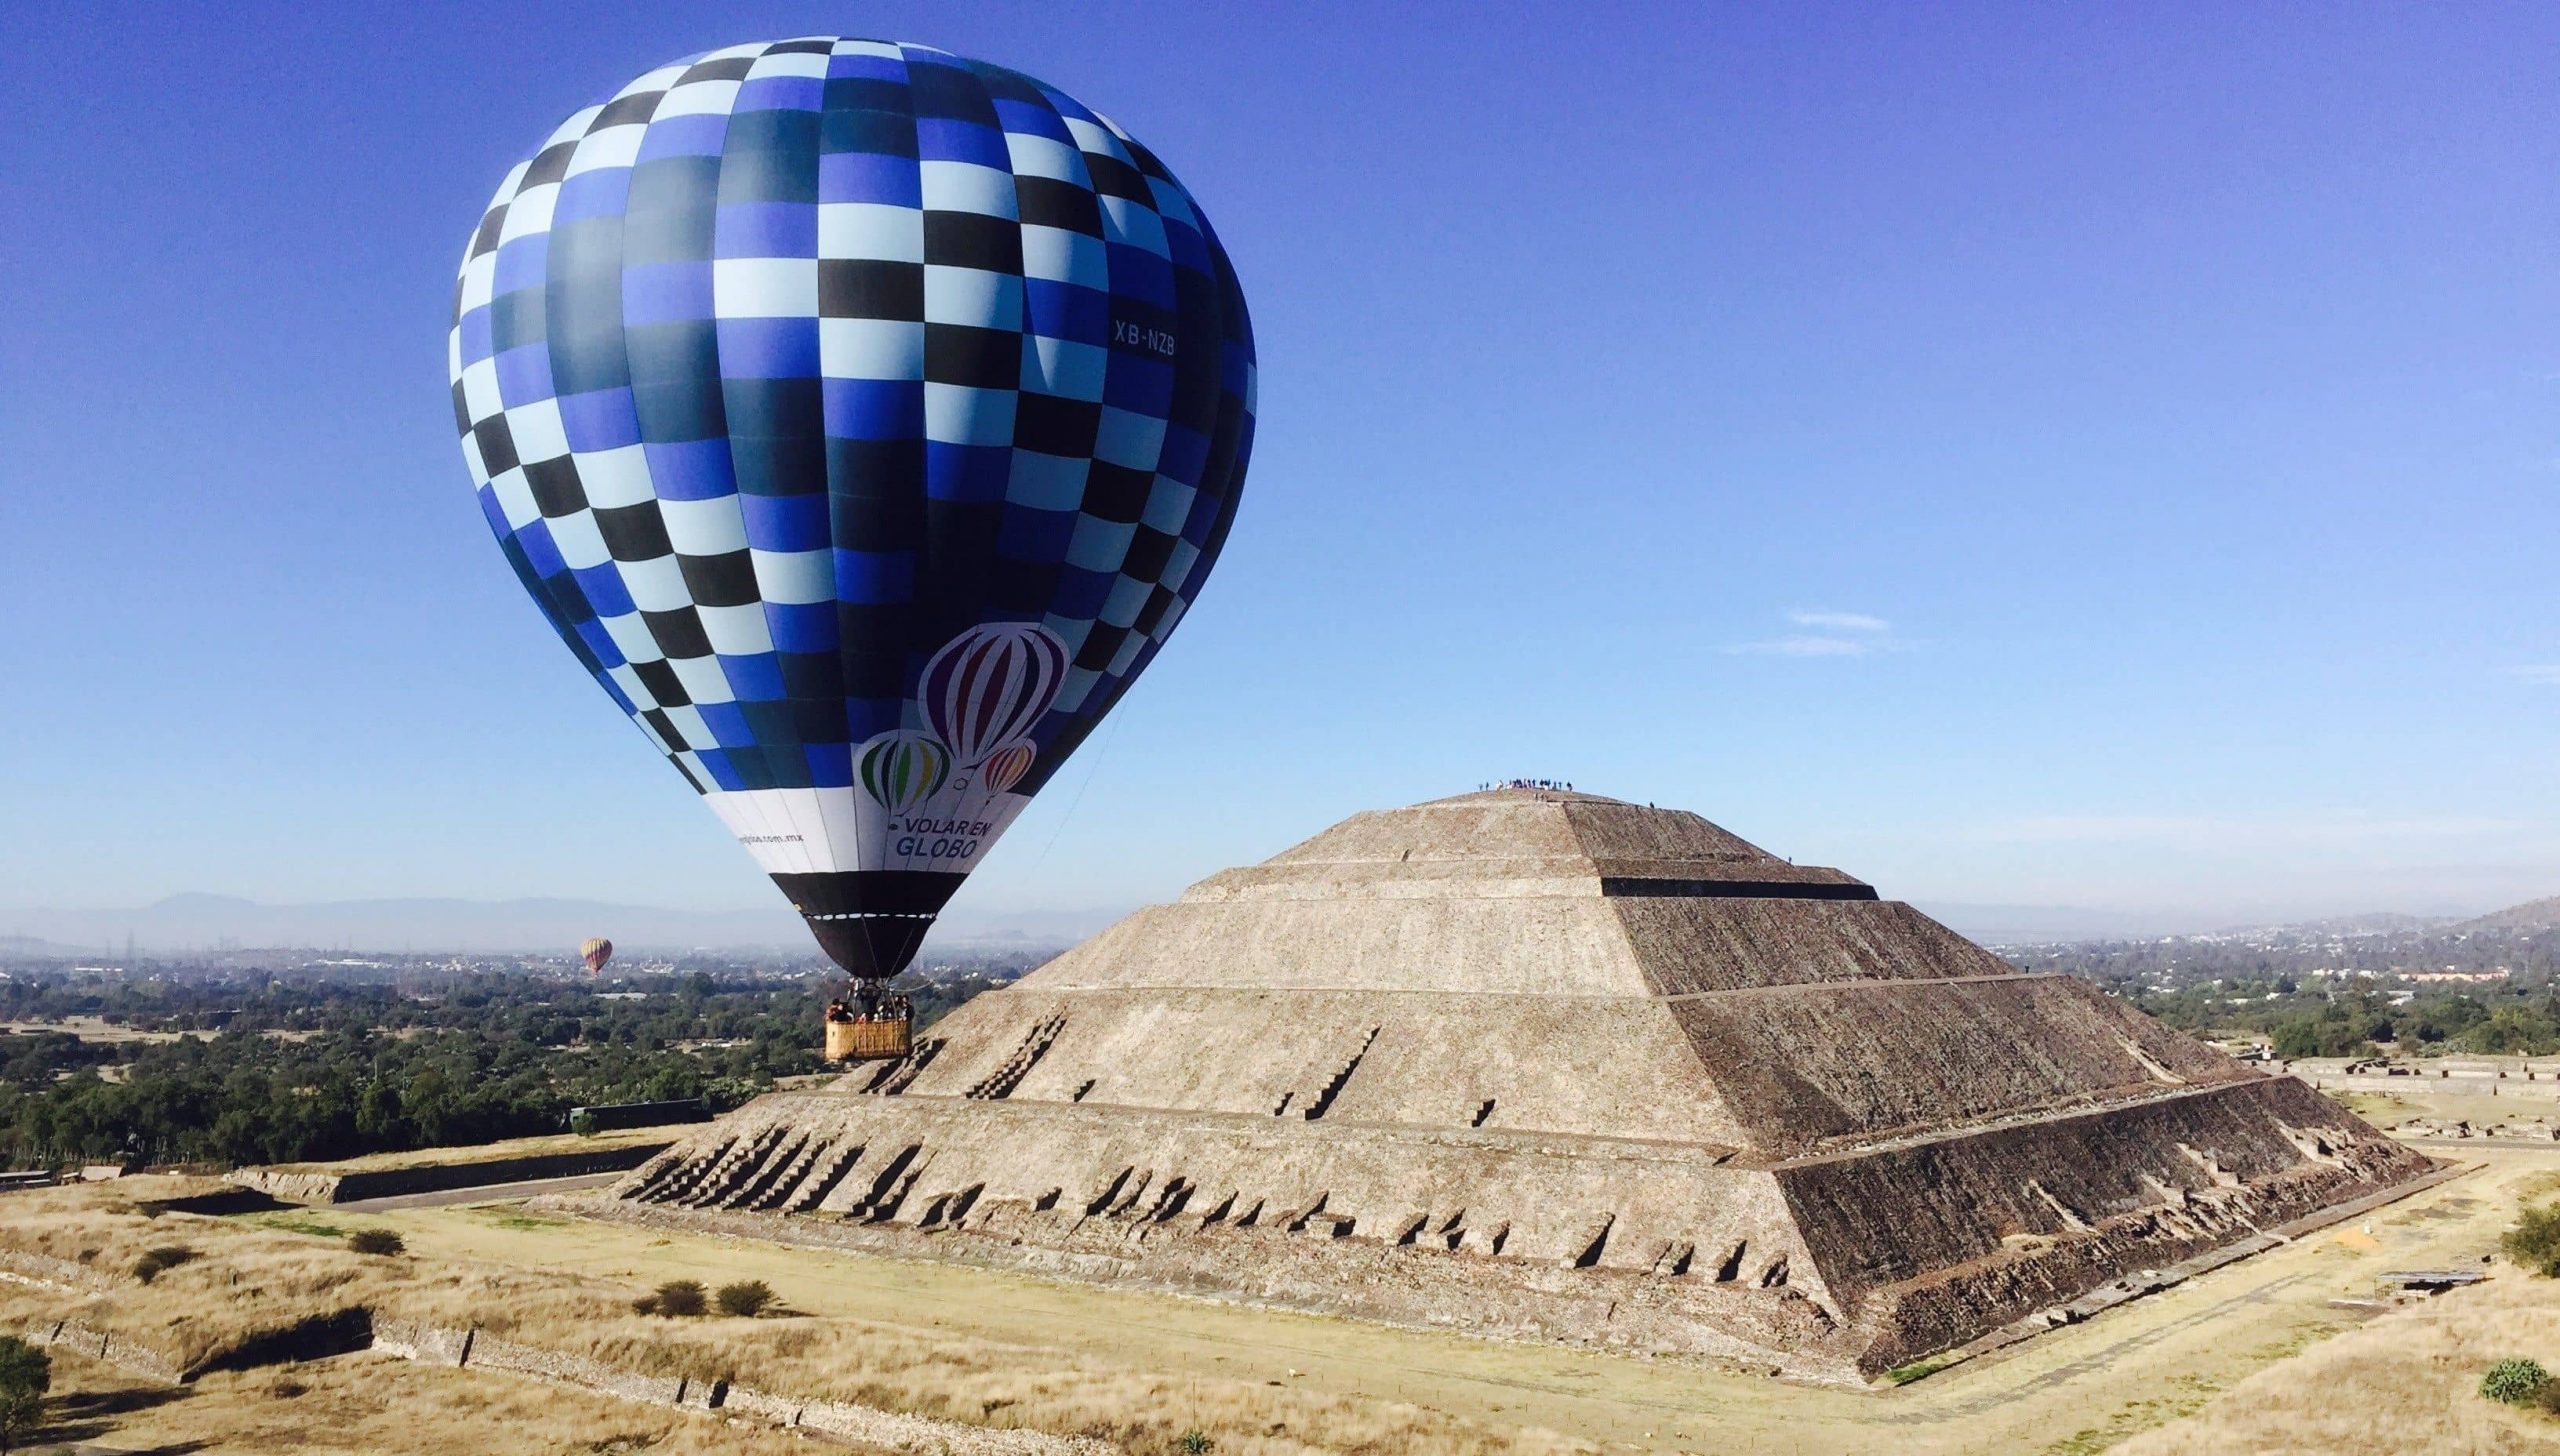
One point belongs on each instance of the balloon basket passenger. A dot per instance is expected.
(868, 1025)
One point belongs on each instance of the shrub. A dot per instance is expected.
(26, 1373)
(583, 1123)
(645, 1304)
(1193, 1443)
(2534, 1243)
(2515, 1382)
(155, 1262)
(680, 1298)
(746, 1298)
(376, 1241)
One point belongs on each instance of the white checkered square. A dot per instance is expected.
(870, 349)
(765, 287)
(967, 187)
(955, 414)
(879, 230)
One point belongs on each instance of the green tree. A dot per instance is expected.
(26, 1373)
(680, 1297)
(2534, 1243)
(747, 1298)
(2514, 1382)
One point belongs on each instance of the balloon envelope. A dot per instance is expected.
(863, 418)
(595, 953)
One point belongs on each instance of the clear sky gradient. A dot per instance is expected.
(2025, 454)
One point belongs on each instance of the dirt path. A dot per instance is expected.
(2075, 1390)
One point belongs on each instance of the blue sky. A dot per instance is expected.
(2025, 454)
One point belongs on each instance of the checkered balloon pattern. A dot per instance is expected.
(864, 418)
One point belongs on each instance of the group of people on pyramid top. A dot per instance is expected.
(1556, 784)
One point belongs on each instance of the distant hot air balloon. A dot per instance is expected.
(864, 418)
(595, 953)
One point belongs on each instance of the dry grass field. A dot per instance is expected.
(2249, 1358)
(364, 1405)
(75, 1255)
(2407, 1383)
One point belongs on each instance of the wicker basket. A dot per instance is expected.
(868, 1041)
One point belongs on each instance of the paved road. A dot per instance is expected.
(489, 1193)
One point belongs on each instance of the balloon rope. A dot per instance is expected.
(1102, 751)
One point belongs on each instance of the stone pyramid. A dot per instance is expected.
(1548, 1065)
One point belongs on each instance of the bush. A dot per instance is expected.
(2515, 1382)
(26, 1373)
(746, 1298)
(681, 1298)
(155, 1262)
(381, 1242)
(583, 1123)
(2534, 1243)
(1194, 1443)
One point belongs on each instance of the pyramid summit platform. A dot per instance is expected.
(1548, 1065)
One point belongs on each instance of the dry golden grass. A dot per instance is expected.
(976, 1382)
(246, 1281)
(362, 1405)
(2409, 1382)
(238, 1282)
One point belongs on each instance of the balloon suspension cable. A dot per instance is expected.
(1101, 751)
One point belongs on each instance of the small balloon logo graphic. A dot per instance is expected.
(903, 769)
(990, 684)
(1006, 766)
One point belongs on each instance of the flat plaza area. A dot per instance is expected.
(2081, 1388)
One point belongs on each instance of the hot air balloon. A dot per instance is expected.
(595, 952)
(864, 418)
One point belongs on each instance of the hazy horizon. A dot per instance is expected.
(191, 922)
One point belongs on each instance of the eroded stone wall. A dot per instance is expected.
(1610, 1067)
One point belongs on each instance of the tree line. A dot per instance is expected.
(270, 1068)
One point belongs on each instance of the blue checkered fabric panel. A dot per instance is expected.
(787, 363)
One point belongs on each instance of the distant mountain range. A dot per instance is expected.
(2543, 914)
(192, 922)
(201, 922)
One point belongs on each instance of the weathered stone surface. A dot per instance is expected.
(322, 1185)
(1551, 1066)
(29, 1267)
